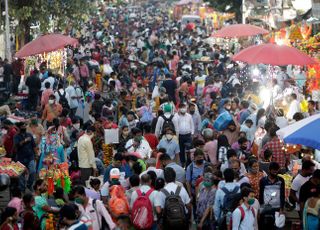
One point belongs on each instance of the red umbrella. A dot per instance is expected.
(44, 44)
(273, 54)
(239, 30)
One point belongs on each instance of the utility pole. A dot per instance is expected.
(7, 38)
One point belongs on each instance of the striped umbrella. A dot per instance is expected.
(304, 132)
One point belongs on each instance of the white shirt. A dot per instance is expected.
(74, 92)
(296, 185)
(249, 221)
(67, 96)
(143, 149)
(171, 187)
(160, 122)
(100, 212)
(293, 108)
(249, 134)
(185, 124)
(51, 80)
(86, 152)
(281, 122)
(159, 172)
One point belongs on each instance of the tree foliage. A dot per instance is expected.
(232, 6)
(51, 15)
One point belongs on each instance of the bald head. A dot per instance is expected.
(145, 179)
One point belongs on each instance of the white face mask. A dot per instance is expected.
(183, 110)
(51, 102)
(169, 137)
(77, 126)
(4, 131)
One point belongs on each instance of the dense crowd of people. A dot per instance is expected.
(164, 88)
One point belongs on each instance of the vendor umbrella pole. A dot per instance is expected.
(271, 109)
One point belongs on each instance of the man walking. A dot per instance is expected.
(87, 163)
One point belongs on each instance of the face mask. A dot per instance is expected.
(4, 131)
(228, 107)
(192, 112)
(51, 102)
(207, 184)
(23, 130)
(79, 200)
(114, 181)
(169, 137)
(76, 126)
(251, 201)
(199, 162)
(183, 110)
(254, 171)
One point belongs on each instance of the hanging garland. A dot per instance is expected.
(107, 154)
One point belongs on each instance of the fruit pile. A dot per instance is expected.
(11, 168)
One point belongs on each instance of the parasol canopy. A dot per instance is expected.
(239, 30)
(272, 54)
(44, 44)
(186, 2)
(303, 132)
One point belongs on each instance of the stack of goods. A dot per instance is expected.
(107, 154)
(11, 168)
(56, 175)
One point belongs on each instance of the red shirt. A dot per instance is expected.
(8, 141)
(278, 153)
(10, 227)
(109, 125)
(152, 140)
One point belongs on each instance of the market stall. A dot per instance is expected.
(47, 49)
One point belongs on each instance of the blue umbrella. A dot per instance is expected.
(304, 132)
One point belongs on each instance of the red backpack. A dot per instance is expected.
(142, 211)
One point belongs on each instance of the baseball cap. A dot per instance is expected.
(114, 173)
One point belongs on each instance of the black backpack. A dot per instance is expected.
(63, 100)
(231, 199)
(167, 123)
(230, 202)
(174, 214)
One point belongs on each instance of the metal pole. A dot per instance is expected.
(7, 38)
(243, 12)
